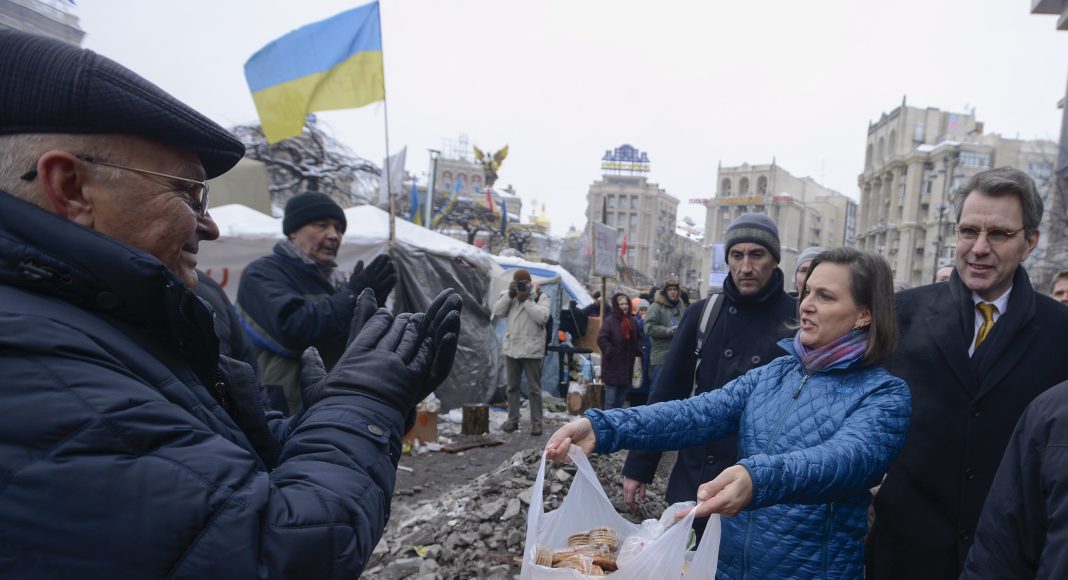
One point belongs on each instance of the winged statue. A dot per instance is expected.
(491, 163)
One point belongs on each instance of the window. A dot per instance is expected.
(974, 159)
(461, 182)
(633, 220)
(725, 187)
(743, 186)
(611, 202)
(1040, 171)
(635, 202)
(880, 152)
(762, 185)
(446, 180)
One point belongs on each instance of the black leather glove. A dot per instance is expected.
(398, 361)
(379, 276)
(511, 290)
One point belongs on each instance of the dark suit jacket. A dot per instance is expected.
(963, 412)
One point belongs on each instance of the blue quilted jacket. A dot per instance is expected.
(813, 445)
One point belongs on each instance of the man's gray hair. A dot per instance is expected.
(19, 154)
(1004, 181)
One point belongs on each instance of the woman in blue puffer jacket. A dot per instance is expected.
(816, 430)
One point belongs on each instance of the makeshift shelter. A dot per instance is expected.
(427, 262)
(560, 286)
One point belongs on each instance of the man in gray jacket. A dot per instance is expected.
(524, 345)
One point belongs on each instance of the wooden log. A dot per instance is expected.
(476, 420)
(576, 400)
(595, 396)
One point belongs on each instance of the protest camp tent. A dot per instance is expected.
(426, 261)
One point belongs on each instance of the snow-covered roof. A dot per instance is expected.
(571, 284)
(366, 225)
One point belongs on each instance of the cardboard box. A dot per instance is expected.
(425, 428)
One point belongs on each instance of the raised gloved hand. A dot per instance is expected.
(379, 276)
(511, 290)
(398, 361)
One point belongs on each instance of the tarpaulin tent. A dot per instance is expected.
(427, 262)
(559, 285)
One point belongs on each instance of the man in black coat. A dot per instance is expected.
(1023, 532)
(752, 319)
(975, 351)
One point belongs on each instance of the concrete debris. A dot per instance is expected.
(478, 529)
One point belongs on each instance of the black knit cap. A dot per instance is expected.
(49, 86)
(309, 206)
(754, 228)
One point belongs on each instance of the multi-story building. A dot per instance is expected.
(916, 158)
(456, 170)
(807, 213)
(52, 18)
(645, 215)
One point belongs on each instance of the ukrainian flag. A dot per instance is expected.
(329, 65)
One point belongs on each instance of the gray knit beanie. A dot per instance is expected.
(807, 254)
(754, 228)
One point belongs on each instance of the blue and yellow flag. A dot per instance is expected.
(325, 66)
(415, 216)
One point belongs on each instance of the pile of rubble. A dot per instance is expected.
(477, 530)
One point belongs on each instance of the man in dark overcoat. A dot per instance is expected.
(753, 316)
(975, 351)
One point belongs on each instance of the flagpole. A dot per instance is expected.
(385, 114)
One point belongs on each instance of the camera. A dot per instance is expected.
(522, 286)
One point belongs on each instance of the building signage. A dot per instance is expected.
(625, 158)
(741, 200)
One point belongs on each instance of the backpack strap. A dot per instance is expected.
(709, 316)
(708, 320)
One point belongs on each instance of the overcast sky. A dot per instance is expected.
(694, 84)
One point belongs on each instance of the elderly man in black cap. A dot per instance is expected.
(129, 448)
(719, 339)
(296, 297)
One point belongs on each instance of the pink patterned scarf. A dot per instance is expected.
(846, 348)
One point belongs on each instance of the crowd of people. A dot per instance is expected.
(913, 398)
(154, 429)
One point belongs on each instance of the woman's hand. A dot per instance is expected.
(578, 432)
(727, 494)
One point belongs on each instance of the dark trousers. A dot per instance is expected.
(512, 369)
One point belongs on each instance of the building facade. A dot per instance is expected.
(807, 213)
(915, 159)
(52, 18)
(645, 215)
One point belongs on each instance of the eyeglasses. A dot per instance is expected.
(997, 237)
(194, 192)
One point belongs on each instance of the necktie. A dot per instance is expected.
(987, 311)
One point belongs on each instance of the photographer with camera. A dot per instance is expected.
(524, 345)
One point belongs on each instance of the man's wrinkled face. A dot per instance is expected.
(987, 268)
(147, 212)
(751, 267)
(319, 240)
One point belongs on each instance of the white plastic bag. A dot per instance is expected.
(586, 506)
